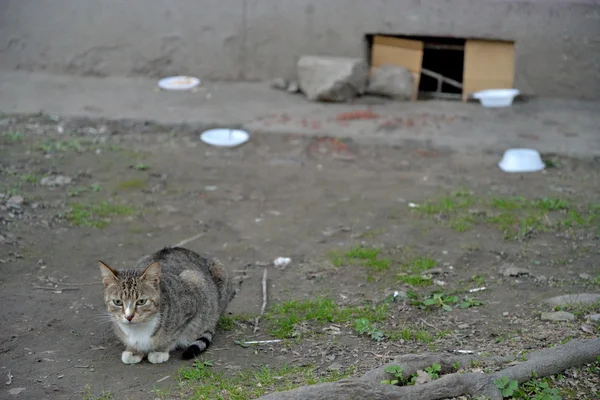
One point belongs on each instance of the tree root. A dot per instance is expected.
(539, 364)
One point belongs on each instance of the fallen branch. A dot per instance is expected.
(264, 303)
(540, 363)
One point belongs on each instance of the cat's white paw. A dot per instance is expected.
(129, 358)
(156, 357)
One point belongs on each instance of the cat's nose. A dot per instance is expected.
(129, 317)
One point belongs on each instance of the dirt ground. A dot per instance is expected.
(358, 223)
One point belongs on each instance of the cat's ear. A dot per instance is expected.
(109, 275)
(152, 273)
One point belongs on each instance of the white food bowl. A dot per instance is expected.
(224, 137)
(521, 160)
(179, 82)
(493, 98)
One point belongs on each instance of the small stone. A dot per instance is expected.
(170, 209)
(505, 314)
(15, 202)
(587, 328)
(279, 84)
(293, 87)
(511, 270)
(2, 239)
(593, 317)
(335, 367)
(422, 377)
(463, 326)
(557, 316)
(16, 391)
(585, 276)
(573, 299)
(391, 81)
(57, 180)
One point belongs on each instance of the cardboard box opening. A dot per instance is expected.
(450, 68)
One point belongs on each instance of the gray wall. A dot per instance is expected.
(557, 42)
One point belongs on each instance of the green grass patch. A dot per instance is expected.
(61, 146)
(416, 280)
(227, 322)
(96, 215)
(409, 334)
(284, 319)
(12, 137)
(515, 217)
(364, 256)
(202, 382)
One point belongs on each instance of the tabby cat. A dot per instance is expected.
(172, 299)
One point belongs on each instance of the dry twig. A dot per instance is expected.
(264, 304)
(188, 240)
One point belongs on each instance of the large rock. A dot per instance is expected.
(391, 81)
(334, 79)
(574, 299)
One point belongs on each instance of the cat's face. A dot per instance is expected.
(131, 296)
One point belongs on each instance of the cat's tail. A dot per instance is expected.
(198, 346)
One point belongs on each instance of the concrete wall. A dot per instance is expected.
(557, 42)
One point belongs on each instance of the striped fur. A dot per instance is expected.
(172, 299)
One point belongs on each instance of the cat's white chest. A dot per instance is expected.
(139, 336)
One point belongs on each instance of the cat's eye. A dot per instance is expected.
(118, 302)
(141, 302)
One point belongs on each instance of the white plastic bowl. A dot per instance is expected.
(521, 160)
(493, 98)
(224, 137)
(179, 82)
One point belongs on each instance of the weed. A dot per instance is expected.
(104, 395)
(416, 280)
(434, 370)
(537, 390)
(13, 137)
(470, 302)
(456, 366)
(76, 191)
(227, 322)
(60, 146)
(441, 300)
(363, 256)
(31, 178)
(479, 280)
(408, 334)
(141, 166)
(284, 318)
(506, 385)
(201, 382)
(396, 372)
(364, 326)
(95, 187)
(96, 215)
(419, 264)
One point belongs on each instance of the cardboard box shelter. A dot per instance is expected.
(488, 64)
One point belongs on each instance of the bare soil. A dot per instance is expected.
(312, 200)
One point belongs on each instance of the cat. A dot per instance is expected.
(172, 299)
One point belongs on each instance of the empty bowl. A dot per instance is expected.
(494, 98)
(179, 82)
(224, 137)
(521, 160)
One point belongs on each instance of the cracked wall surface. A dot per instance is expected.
(557, 42)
